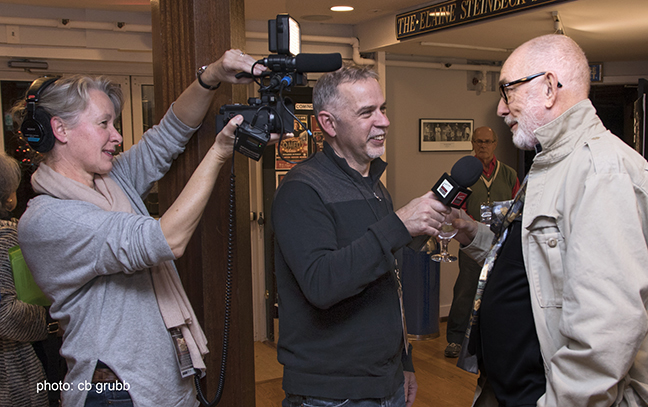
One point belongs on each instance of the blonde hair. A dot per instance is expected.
(69, 95)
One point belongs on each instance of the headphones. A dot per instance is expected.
(36, 127)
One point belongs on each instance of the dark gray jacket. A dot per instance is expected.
(336, 235)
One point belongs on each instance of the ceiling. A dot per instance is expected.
(608, 30)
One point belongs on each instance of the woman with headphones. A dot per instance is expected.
(130, 332)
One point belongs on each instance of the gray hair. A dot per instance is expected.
(560, 54)
(69, 96)
(325, 92)
(10, 176)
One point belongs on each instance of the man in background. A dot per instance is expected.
(498, 182)
(561, 317)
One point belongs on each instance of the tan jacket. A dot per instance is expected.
(585, 246)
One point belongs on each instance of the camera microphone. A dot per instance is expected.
(452, 190)
(303, 63)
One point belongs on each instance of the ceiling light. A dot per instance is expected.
(341, 8)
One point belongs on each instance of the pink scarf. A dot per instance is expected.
(171, 297)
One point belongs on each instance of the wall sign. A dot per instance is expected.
(457, 12)
(596, 72)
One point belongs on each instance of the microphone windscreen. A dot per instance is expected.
(466, 171)
(318, 62)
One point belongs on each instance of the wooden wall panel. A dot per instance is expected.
(186, 35)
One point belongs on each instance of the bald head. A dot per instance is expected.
(559, 54)
(484, 133)
(542, 79)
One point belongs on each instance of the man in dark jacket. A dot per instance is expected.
(341, 332)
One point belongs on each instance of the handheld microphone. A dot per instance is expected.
(303, 63)
(452, 190)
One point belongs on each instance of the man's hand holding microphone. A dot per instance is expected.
(424, 216)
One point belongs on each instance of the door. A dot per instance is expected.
(639, 122)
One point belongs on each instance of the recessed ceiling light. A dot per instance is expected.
(341, 8)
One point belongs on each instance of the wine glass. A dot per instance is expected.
(447, 232)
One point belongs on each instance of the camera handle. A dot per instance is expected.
(240, 75)
(228, 301)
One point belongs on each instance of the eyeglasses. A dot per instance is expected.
(504, 86)
(481, 142)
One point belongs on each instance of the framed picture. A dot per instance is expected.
(279, 175)
(445, 134)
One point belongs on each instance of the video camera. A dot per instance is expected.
(270, 112)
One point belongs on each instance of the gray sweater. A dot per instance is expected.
(94, 265)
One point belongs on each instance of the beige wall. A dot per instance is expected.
(414, 93)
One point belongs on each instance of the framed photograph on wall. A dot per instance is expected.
(445, 134)
(279, 175)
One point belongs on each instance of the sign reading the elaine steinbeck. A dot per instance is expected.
(456, 12)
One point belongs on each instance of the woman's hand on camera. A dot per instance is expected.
(228, 65)
(224, 143)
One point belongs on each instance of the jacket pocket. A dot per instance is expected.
(546, 253)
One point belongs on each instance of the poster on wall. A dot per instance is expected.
(318, 134)
(293, 149)
(445, 134)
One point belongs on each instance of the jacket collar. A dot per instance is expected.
(561, 136)
(376, 168)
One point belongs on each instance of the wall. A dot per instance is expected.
(88, 36)
(414, 93)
